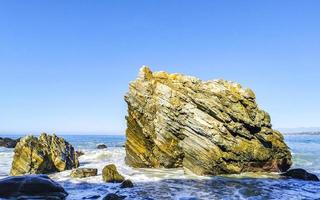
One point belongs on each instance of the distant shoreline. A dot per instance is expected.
(302, 133)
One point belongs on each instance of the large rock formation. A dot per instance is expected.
(41, 155)
(207, 127)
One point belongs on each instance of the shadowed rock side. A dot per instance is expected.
(42, 155)
(207, 127)
(31, 187)
(300, 174)
(8, 142)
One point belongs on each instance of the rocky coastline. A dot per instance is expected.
(206, 127)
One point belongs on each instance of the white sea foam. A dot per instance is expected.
(174, 183)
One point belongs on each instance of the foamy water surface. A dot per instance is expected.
(173, 183)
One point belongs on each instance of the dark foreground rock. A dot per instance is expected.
(300, 174)
(83, 172)
(8, 142)
(112, 196)
(31, 187)
(110, 174)
(92, 197)
(42, 155)
(126, 184)
(206, 127)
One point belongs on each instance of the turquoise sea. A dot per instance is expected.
(170, 184)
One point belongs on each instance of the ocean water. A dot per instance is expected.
(170, 184)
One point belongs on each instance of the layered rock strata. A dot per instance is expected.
(206, 127)
(42, 155)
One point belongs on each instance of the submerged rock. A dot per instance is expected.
(112, 196)
(92, 197)
(84, 172)
(110, 174)
(300, 174)
(8, 142)
(207, 127)
(101, 146)
(31, 187)
(43, 155)
(126, 184)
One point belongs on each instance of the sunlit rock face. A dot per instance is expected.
(206, 127)
(42, 155)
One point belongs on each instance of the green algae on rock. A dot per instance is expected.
(42, 155)
(206, 127)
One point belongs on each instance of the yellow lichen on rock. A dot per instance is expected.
(45, 154)
(207, 127)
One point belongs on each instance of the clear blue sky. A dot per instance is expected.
(65, 65)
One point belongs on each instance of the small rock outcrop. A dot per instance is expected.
(31, 187)
(207, 127)
(83, 172)
(42, 155)
(300, 174)
(8, 142)
(126, 184)
(101, 146)
(110, 174)
(79, 153)
(112, 196)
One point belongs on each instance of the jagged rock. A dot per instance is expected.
(83, 172)
(8, 142)
(126, 184)
(207, 127)
(112, 196)
(31, 187)
(110, 174)
(300, 174)
(101, 146)
(43, 155)
(79, 153)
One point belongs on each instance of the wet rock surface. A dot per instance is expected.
(8, 142)
(92, 197)
(112, 196)
(110, 174)
(84, 172)
(206, 127)
(42, 155)
(31, 187)
(300, 174)
(101, 146)
(126, 184)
